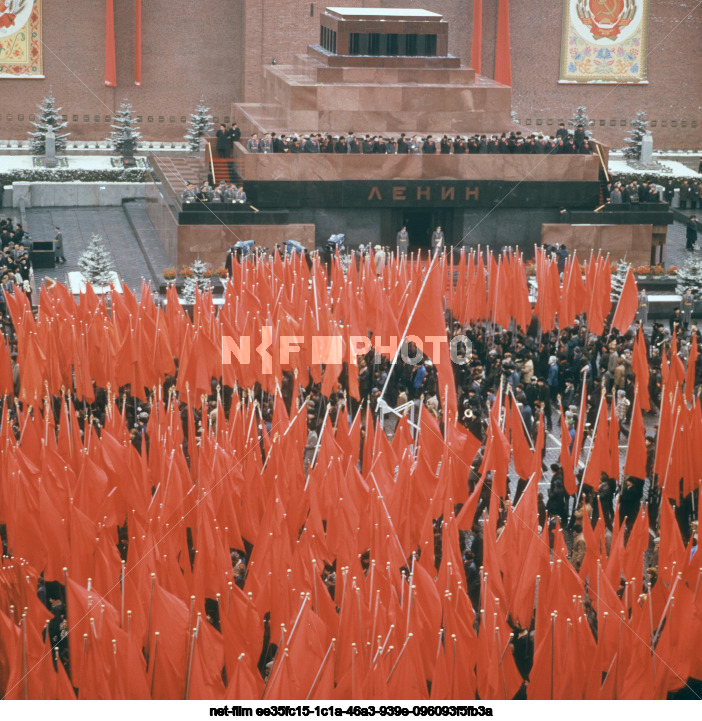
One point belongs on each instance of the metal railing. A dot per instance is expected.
(212, 170)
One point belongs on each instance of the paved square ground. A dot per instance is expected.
(112, 224)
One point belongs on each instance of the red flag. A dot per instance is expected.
(635, 464)
(503, 64)
(137, 45)
(691, 365)
(110, 60)
(522, 453)
(6, 378)
(677, 370)
(628, 303)
(639, 363)
(429, 324)
(477, 47)
(566, 458)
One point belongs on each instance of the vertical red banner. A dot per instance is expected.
(110, 60)
(137, 45)
(503, 63)
(477, 45)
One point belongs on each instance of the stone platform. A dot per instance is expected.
(377, 71)
(311, 96)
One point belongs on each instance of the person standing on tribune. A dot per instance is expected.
(222, 141)
(437, 240)
(58, 246)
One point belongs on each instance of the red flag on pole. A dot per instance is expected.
(477, 45)
(137, 45)
(503, 63)
(628, 303)
(635, 464)
(110, 60)
(691, 369)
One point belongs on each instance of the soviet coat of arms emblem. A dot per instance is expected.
(606, 18)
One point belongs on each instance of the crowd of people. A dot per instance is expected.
(512, 142)
(15, 261)
(206, 193)
(545, 374)
(690, 192)
(619, 192)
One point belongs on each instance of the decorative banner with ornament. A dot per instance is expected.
(604, 41)
(20, 39)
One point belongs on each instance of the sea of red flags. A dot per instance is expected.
(400, 624)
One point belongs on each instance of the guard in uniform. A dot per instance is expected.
(253, 145)
(266, 145)
(402, 242)
(437, 240)
(688, 306)
(642, 310)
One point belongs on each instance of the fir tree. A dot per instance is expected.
(618, 279)
(198, 279)
(580, 118)
(124, 120)
(200, 123)
(690, 276)
(49, 116)
(632, 150)
(96, 262)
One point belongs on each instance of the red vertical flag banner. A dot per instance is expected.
(628, 302)
(503, 63)
(137, 45)
(477, 45)
(110, 59)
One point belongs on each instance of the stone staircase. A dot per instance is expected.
(176, 172)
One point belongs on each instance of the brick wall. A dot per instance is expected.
(219, 52)
(186, 53)
(671, 99)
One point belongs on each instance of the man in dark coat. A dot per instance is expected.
(311, 144)
(429, 147)
(379, 146)
(222, 141)
(579, 137)
(58, 246)
(691, 232)
(233, 136)
(668, 191)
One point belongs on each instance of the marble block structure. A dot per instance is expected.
(377, 71)
(383, 71)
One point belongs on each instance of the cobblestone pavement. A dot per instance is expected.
(675, 246)
(78, 225)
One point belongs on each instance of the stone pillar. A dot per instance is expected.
(50, 149)
(647, 149)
